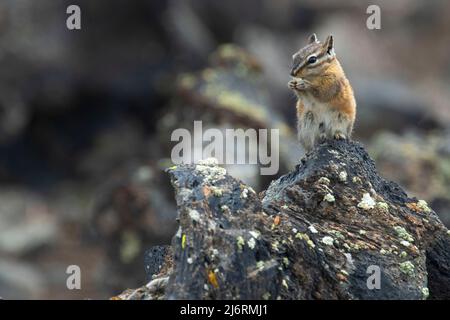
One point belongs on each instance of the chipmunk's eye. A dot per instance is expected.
(312, 59)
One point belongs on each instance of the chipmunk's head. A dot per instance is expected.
(312, 59)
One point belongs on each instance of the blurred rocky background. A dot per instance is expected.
(86, 116)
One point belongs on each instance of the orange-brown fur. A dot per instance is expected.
(327, 97)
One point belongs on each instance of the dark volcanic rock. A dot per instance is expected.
(316, 233)
(354, 219)
(438, 268)
(214, 256)
(155, 259)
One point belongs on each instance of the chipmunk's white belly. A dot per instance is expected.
(319, 120)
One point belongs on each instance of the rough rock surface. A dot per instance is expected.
(316, 233)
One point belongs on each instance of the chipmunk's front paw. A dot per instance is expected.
(292, 84)
(298, 84)
(339, 135)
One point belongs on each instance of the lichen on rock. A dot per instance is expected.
(294, 231)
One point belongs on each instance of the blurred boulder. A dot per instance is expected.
(26, 223)
(19, 280)
(230, 94)
(131, 213)
(419, 163)
(390, 105)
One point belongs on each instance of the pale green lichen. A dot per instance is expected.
(366, 202)
(343, 176)
(212, 225)
(356, 180)
(310, 243)
(300, 235)
(254, 234)
(194, 215)
(210, 171)
(405, 243)
(403, 234)
(407, 267)
(403, 254)
(217, 192)
(334, 152)
(260, 265)
(337, 234)
(383, 251)
(448, 232)
(244, 193)
(286, 261)
(312, 229)
(324, 180)
(362, 232)
(328, 240)
(210, 162)
(284, 283)
(240, 242)
(306, 238)
(425, 293)
(251, 243)
(266, 296)
(329, 197)
(275, 245)
(423, 205)
(383, 206)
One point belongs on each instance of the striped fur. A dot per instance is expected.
(326, 106)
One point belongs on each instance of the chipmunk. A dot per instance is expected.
(326, 106)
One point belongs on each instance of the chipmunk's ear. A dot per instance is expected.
(312, 38)
(329, 44)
